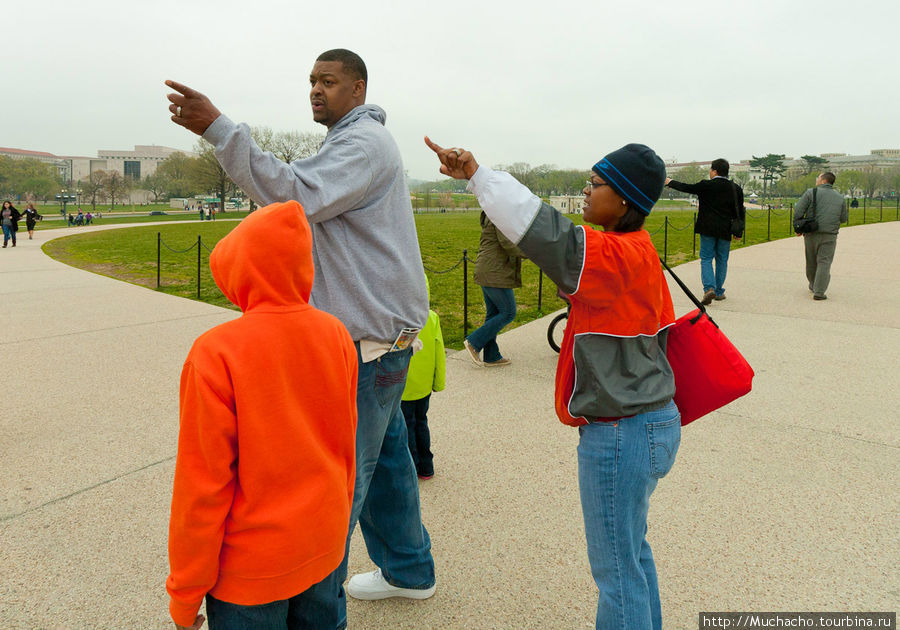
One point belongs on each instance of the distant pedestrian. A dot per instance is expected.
(720, 201)
(426, 374)
(829, 208)
(31, 217)
(498, 270)
(9, 218)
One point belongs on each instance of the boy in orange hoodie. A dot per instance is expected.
(265, 468)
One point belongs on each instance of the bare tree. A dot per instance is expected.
(872, 179)
(287, 146)
(295, 145)
(115, 186)
(177, 172)
(156, 184)
(93, 187)
(209, 174)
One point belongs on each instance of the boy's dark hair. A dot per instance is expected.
(828, 177)
(353, 63)
(720, 166)
(631, 221)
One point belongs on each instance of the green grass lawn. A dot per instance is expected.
(130, 254)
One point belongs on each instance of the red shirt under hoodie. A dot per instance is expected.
(265, 468)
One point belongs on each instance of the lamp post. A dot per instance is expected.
(64, 198)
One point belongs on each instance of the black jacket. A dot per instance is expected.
(721, 200)
(15, 215)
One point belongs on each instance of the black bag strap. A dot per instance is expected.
(690, 295)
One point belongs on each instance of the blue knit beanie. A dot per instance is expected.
(636, 173)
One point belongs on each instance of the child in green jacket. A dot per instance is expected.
(426, 374)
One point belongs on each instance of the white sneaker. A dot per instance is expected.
(374, 586)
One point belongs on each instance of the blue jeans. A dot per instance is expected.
(8, 234)
(386, 495)
(500, 309)
(718, 248)
(619, 464)
(296, 613)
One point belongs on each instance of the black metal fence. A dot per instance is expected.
(669, 230)
(160, 244)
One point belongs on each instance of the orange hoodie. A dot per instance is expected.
(265, 467)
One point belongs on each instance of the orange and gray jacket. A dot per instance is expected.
(612, 362)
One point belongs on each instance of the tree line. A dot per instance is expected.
(544, 180)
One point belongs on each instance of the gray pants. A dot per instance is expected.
(819, 255)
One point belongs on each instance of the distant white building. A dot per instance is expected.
(567, 204)
(139, 163)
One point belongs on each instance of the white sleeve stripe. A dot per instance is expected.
(583, 259)
(508, 204)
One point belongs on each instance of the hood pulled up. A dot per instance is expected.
(266, 261)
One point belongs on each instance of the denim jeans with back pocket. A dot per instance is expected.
(619, 464)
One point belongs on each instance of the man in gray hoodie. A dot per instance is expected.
(368, 273)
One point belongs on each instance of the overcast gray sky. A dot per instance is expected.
(558, 83)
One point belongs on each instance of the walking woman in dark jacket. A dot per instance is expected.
(9, 217)
(31, 217)
(498, 270)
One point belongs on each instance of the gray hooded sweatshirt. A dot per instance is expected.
(368, 269)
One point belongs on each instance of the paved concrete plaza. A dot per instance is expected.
(785, 500)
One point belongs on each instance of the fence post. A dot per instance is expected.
(198, 266)
(666, 239)
(881, 208)
(864, 210)
(791, 220)
(465, 293)
(158, 241)
(768, 225)
(540, 286)
(694, 236)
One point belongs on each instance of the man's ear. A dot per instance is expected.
(359, 88)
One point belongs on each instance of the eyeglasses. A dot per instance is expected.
(594, 184)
